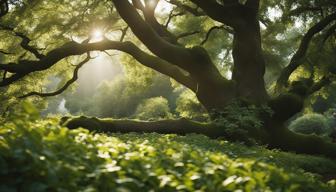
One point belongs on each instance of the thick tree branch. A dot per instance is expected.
(278, 138)
(65, 87)
(157, 45)
(194, 61)
(298, 57)
(179, 126)
(23, 68)
(11, 79)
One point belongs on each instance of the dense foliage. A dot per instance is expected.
(39, 155)
(153, 108)
(311, 124)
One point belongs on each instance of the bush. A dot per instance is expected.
(311, 124)
(153, 108)
(188, 106)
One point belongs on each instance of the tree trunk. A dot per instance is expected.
(249, 64)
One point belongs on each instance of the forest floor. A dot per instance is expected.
(39, 155)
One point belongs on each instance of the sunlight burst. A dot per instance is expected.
(97, 35)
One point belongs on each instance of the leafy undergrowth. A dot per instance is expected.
(39, 155)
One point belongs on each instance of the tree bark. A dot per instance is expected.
(249, 64)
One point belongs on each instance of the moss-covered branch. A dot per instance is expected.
(276, 136)
(180, 126)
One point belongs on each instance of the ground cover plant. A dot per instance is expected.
(41, 155)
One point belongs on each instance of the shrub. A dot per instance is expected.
(153, 108)
(188, 106)
(310, 124)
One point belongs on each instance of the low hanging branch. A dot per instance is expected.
(316, 144)
(68, 83)
(24, 67)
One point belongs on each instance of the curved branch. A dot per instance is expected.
(194, 60)
(171, 16)
(298, 57)
(25, 41)
(161, 30)
(25, 67)
(62, 89)
(213, 29)
(159, 46)
(11, 79)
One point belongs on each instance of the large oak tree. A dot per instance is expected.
(253, 49)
